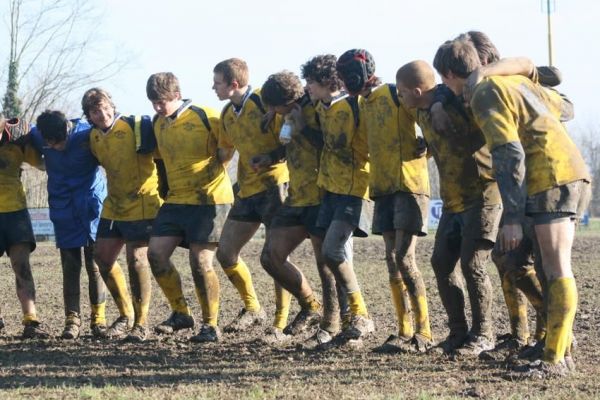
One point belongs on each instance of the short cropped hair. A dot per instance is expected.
(52, 124)
(281, 89)
(416, 74)
(233, 69)
(93, 97)
(458, 56)
(163, 86)
(487, 51)
(322, 69)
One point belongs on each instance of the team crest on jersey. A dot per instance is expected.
(120, 134)
(189, 126)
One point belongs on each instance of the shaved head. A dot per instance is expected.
(416, 74)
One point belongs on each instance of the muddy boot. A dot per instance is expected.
(137, 334)
(99, 331)
(176, 322)
(245, 319)
(451, 343)
(360, 326)
(534, 352)
(303, 321)
(474, 345)
(275, 336)
(119, 328)
(540, 369)
(72, 327)
(34, 330)
(320, 340)
(394, 344)
(507, 345)
(207, 334)
(1, 325)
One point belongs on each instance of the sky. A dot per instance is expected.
(188, 37)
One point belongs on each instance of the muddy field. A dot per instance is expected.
(242, 367)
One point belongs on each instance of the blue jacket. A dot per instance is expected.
(76, 187)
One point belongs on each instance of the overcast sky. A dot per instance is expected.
(188, 37)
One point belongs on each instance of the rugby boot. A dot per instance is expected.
(475, 345)
(34, 330)
(176, 322)
(137, 334)
(98, 330)
(207, 334)
(360, 326)
(275, 336)
(72, 327)
(119, 328)
(304, 320)
(245, 319)
(319, 341)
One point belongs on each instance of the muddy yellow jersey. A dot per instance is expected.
(392, 142)
(511, 109)
(344, 165)
(303, 162)
(189, 151)
(131, 175)
(243, 130)
(463, 160)
(12, 195)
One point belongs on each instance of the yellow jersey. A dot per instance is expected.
(12, 194)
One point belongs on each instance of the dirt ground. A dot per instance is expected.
(242, 367)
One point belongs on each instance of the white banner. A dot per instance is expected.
(435, 213)
(40, 220)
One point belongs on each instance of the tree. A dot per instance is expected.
(588, 141)
(54, 50)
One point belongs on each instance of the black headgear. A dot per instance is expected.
(355, 67)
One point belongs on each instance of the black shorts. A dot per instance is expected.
(260, 207)
(474, 223)
(130, 231)
(564, 201)
(298, 216)
(15, 227)
(200, 224)
(343, 207)
(401, 211)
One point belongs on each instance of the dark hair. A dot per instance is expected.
(356, 69)
(233, 69)
(53, 126)
(281, 89)
(93, 97)
(487, 51)
(322, 70)
(458, 56)
(163, 86)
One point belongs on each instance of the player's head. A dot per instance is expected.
(164, 92)
(281, 90)
(487, 51)
(413, 80)
(98, 107)
(454, 61)
(230, 75)
(321, 76)
(53, 126)
(356, 69)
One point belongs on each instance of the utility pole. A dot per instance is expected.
(550, 6)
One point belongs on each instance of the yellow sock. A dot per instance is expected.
(357, 304)
(141, 310)
(401, 305)
(29, 317)
(170, 284)
(98, 314)
(283, 298)
(310, 303)
(239, 275)
(117, 286)
(517, 309)
(421, 314)
(562, 304)
(209, 301)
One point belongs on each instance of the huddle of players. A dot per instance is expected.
(310, 158)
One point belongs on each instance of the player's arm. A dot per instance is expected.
(504, 67)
